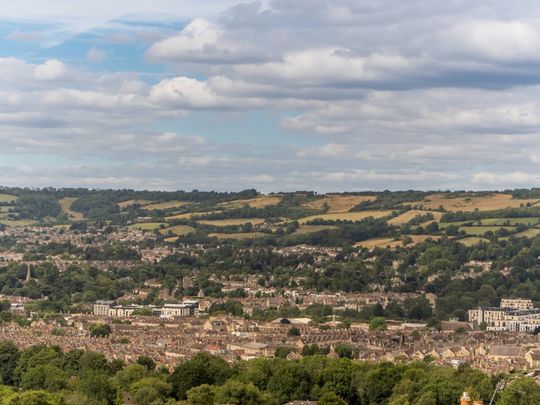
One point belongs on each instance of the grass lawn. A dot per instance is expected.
(472, 240)
(7, 198)
(231, 221)
(246, 235)
(148, 226)
(480, 230)
(178, 230)
(346, 216)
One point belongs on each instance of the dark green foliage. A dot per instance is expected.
(100, 330)
(88, 378)
(9, 356)
(202, 369)
(37, 206)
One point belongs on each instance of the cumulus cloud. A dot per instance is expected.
(52, 70)
(393, 94)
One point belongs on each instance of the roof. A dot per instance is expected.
(506, 351)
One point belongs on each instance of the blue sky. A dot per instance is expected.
(337, 95)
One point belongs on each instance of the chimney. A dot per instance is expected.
(465, 399)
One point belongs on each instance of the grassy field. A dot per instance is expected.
(125, 204)
(409, 215)
(17, 223)
(6, 208)
(509, 221)
(231, 221)
(148, 226)
(190, 215)
(471, 202)
(7, 198)
(338, 203)
(178, 230)
(247, 235)
(346, 216)
(528, 233)
(472, 240)
(257, 202)
(480, 230)
(302, 229)
(165, 205)
(394, 242)
(65, 204)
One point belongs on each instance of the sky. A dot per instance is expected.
(324, 95)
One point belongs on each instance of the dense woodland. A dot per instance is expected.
(42, 375)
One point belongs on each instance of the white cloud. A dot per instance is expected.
(52, 70)
(330, 150)
(96, 55)
(501, 180)
(510, 41)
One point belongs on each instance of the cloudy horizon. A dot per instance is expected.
(320, 95)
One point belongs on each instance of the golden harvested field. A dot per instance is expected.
(125, 204)
(172, 239)
(231, 221)
(257, 202)
(148, 226)
(338, 203)
(247, 235)
(346, 216)
(16, 223)
(178, 230)
(393, 242)
(7, 198)
(302, 229)
(470, 203)
(472, 240)
(409, 215)
(165, 205)
(65, 204)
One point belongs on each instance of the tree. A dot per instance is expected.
(235, 392)
(130, 375)
(290, 381)
(330, 398)
(35, 356)
(34, 398)
(204, 368)
(344, 350)
(377, 324)
(45, 377)
(147, 362)
(150, 390)
(201, 395)
(524, 391)
(97, 386)
(283, 351)
(100, 330)
(294, 331)
(9, 354)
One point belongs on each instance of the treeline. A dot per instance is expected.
(478, 215)
(41, 375)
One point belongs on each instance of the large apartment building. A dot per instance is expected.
(112, 309)
(518, 315)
